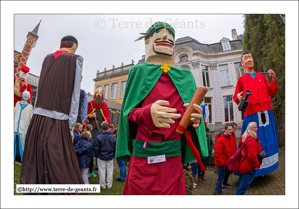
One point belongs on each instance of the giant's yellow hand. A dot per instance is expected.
(196, 117)
(162, 116)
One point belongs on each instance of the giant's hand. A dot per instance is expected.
(196, 117)
(272, 74)
(161, 116)
(93, 115)
(240, 96)
(72, 135)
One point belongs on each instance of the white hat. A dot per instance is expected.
(26, 95)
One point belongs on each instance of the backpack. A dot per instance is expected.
(234, 161)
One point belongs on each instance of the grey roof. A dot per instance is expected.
(113, 105)
(141, 61)
(207, 48)
(89, 97)
(240, 36)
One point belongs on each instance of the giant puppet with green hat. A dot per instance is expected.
(157, 94)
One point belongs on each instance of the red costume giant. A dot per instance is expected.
(153, 104)
(102, 114)
(259, 110)
(171, 179)
(21, 85)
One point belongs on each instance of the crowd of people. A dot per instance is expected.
(226, 146)
(103, 149)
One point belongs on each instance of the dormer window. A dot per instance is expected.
(184, 58)
(225, 44)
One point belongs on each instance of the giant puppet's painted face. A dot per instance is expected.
(160, 42)
(247, 62)
(99, 92)
(23, 75)
(98, 96)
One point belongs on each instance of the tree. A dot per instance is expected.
(264, 37)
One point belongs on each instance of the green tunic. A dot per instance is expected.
(141, 80)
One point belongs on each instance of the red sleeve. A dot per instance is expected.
(239, 88)
(251, 147)
(89, 109)
(272, 88)
(106, 112)
(142, 116)
(218, 152)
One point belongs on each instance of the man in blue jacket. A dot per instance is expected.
(104, 148)
(84, 151)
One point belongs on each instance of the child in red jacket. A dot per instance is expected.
(222, 154)
(249, 160)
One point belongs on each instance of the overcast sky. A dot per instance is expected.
(106, 40)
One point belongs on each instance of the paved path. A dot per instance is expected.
(270, 184)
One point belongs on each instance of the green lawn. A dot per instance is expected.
(117, 187)
(17, 172)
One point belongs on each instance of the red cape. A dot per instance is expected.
(103, 107)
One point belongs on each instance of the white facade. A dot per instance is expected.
(215, 66)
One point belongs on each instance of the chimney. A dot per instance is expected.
(234, 34)
(143, 57)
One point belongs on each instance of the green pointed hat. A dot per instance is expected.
(154, 27)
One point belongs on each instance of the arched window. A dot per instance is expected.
(184, 58)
